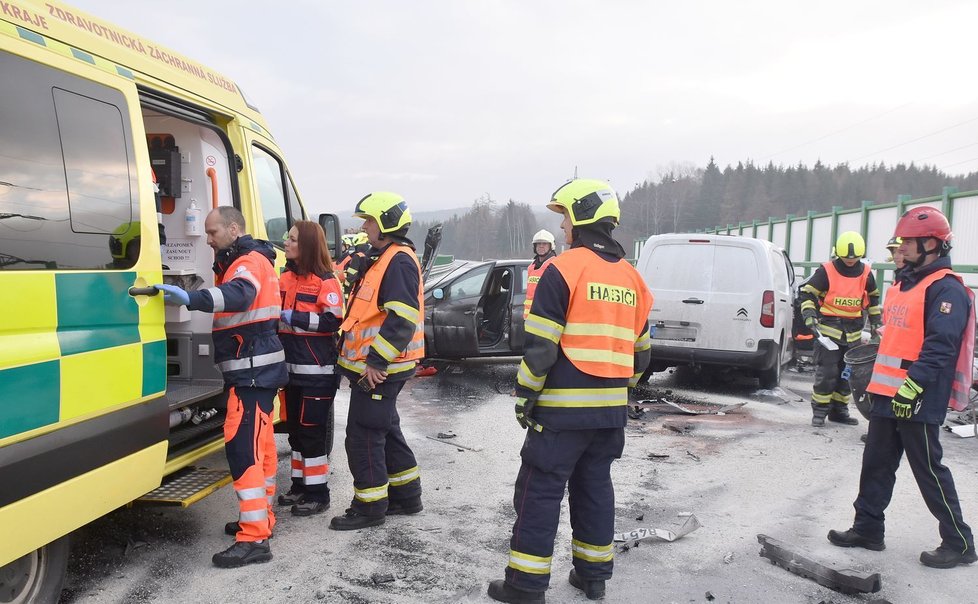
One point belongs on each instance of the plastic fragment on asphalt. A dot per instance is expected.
(965, 431)
(454, 444)
(843, 580)
(690, 524)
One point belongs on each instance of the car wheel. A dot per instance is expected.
(36, 577)
(771, 378)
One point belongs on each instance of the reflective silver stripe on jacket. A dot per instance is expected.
(889, 361)
(249, 316)
(310, 369)
(218, 297)
(260, 360)
(887, 380)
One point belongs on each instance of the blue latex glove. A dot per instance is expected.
(286, 316)
(173, 294)
(523, 409)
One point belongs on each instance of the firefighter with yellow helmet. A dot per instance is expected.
(587, 342)
(543, 252)
(383, 338)
(832, 305)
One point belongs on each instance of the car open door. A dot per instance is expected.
(456, 315)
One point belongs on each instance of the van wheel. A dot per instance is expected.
(771, 378)
(36, 577)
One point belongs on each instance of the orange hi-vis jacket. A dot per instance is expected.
(533, 277)
(903, 338)
(365, 317)
(309, 342)
(607, 311)
(846, 296)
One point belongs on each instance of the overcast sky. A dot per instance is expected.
(447, 101)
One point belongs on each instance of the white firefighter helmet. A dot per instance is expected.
(544, 236)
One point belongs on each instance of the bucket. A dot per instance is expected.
(859, 365)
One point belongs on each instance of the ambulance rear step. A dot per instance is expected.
(186, 487)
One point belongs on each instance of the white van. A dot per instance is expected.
(720, 300)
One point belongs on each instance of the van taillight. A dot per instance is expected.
(767, 309)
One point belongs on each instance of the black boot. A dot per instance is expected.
(243, 552)
(501, 591)
(404, 507)
(308, 507)
(851, 538)
(840, 415)
(594, 590)
(232, 528)
(354, 520)
(818, 414)
(292, 497)
(945, 557)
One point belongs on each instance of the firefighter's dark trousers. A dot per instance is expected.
(249, 442)
(886, 443)
(830, 392)
(309, 420)
(580, 461)
(381, 462)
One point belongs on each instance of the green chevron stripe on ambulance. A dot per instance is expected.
(65, 358)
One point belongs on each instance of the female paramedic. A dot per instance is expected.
(312, 310)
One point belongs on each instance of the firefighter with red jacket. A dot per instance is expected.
(587, 342)
(246, 305)
(383, 339)
(832, 304)
(923, 366)
(543, 253)
(312, 310)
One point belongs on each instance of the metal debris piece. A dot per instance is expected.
(447, 435)
(657, 456)
(664, 405)
(728, 557)
(690, 524)
(679, 428)
(448, 442)
(693, 455)
(707, 409)
(379, 578)
(843, 580)
(709, 596)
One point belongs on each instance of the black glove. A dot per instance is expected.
(906, 402)
(524, 407)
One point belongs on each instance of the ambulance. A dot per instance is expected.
(112, 151)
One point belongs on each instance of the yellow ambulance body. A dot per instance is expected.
(103, 392)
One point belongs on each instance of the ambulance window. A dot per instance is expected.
(295, 208)
(66, 179)
(271, 194)
(96, 167)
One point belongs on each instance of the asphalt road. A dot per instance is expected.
(758, 469)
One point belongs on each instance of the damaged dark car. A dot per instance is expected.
(475, 309)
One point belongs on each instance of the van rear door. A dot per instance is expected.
(679, 274)
(706, 293)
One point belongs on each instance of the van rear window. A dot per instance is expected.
(735, 271)
(681, 267)
(703, 268)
